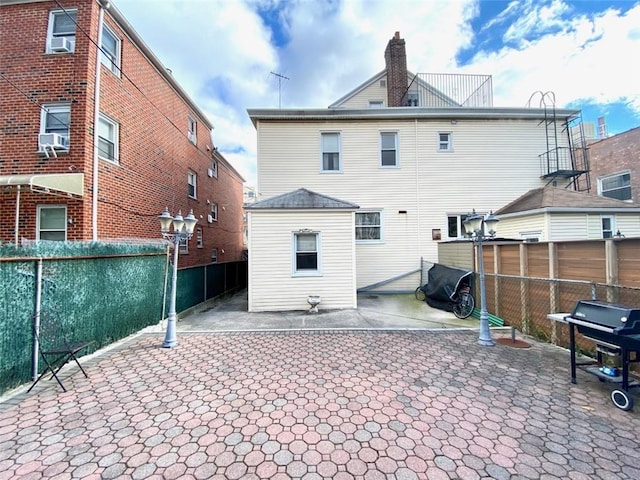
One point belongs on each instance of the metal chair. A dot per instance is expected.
(56, 347)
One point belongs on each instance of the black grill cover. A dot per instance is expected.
(443, 283)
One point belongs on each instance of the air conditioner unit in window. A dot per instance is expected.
(210, 218)
(53, 140)
(192, 137)
(210, 172)
(61, 45)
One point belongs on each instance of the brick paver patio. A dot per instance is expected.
(311, 405)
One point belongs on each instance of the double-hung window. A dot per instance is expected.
(368, 226)
(306, 253)
(331, 152)
(107, 139)
(191, 132)
(388, 149)
(455, 226)
(214, 169)
(52, 222)
(444, 142)
(61, 36)
(199, 238)
(56, 119)
(214, 212)
(191, 183)
(616, 186)
(214, 255)
(608, 226)
(110, 54)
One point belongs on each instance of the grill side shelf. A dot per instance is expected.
(593, 370)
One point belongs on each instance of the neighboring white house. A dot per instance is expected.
(415, 171)
(555, 214)
(301, 245)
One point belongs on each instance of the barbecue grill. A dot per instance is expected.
(615, 329)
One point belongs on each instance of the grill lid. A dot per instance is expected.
(620, 318)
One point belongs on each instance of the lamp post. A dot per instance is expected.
(182, 229)
(475, 226)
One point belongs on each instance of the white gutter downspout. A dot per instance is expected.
(418, 202)
(96, 120)
(17, 225)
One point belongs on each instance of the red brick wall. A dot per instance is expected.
(395, 57)
(155, 154)
(617, 154)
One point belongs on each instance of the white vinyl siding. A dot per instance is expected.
(272, 286)
(515, 227)
(428, 187)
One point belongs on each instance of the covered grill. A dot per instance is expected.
(615, 329)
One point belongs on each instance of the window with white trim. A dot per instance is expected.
(55, 118)
(61, 34)
(199, 238)
(608, 226)
(183, 245)
(413, 99)
(616, 186)
(111, 47)
(444, 142)
(376, 104)
(388, 149)
(455, 227)
(531, 237)
(214, 211)
(214, 168)
(368, 226)
(214, 255)
(108, 139)
(191, 132)
(330, 144)
(191, 181)
(306, 253)
(52, 222)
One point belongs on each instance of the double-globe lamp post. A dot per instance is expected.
(182, 230)
(475, 226)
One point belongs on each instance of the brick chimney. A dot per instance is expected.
(395, 57)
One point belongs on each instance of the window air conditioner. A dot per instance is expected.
(192, 137)
(53, 140)
(210, 218)
(61, 45)
(210, 172)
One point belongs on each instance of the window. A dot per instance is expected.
(56, 119)
(608, 227)
(331, 152)
(455, 227)
(214, 255)
(110, 55)
(368, 226)
(616, 186)
(191, 133)
(306, 261)
(444, 142)
(200, 242)
(214, 212)
(61, 37)
(191, 180)
(107, 139)
(184, 245)
(376, 104)
(413, 99)
(214, 169)
(531, 237)
(388, 149)
(52, 222)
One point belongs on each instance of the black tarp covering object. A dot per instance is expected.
(443, 283)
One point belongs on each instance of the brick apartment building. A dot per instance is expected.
(615, 165)
(63, 179)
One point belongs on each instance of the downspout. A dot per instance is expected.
(418, 202)
(96, 120)
(17, 225)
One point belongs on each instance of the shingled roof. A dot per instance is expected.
(560, 198)
(302, 199)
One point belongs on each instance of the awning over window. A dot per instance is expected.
(53, 183)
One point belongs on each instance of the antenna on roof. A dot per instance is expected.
(280, 78)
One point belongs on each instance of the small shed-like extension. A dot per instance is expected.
(301, 245)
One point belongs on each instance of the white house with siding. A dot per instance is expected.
(556, 214)
(301, 245)
(415, 163)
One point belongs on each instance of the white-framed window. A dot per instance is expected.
(214, 255)
(51, 222)
(192, 130)
(368, 226)
(214, 168)
(183, 245)
(306, 253)
(532, 236)
(413, 99)
(608, 226)
(214, 211)
(55, 118)
(616, 186)
(108, 133)
(388, 149)
(330, 145)
(444, 142)
(376, 104)
(455, 227)
(199, 238)
(191, 182)
(61, 34)
(111, 47)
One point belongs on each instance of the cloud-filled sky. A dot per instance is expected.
(225, 53)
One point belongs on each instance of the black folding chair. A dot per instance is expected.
(56, 348)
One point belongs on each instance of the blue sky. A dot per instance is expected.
(224, 53)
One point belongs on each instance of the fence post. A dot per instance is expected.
(611, 269)
(36, 319)
(553, 288)
(524, 290)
